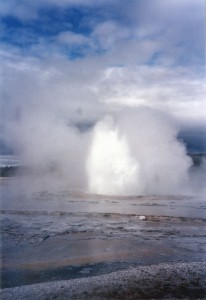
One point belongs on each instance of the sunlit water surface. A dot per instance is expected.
(51, 233)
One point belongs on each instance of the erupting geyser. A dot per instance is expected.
(137, 152)
(130, 151)
(111, 167)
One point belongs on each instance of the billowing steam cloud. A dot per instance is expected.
(111, 167)
(52, 151)
(137, 153)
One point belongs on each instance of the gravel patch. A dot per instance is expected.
(162, 281)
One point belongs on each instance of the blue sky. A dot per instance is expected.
(77, 60)
(174, 28)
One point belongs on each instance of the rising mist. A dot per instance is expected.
(130, 151)
(137, 153)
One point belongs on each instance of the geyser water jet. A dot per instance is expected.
(137, 152)
(111, 168)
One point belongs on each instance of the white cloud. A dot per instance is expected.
(146, 44)
(178, 26)
(71, 38)
(55, 87)
(170, 90)
(109, 33)
(164, 32)
(84, 90)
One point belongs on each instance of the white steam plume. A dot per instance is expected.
(137, 153)
(111, 168)
(53, 152)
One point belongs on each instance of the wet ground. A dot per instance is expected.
(49, 236)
